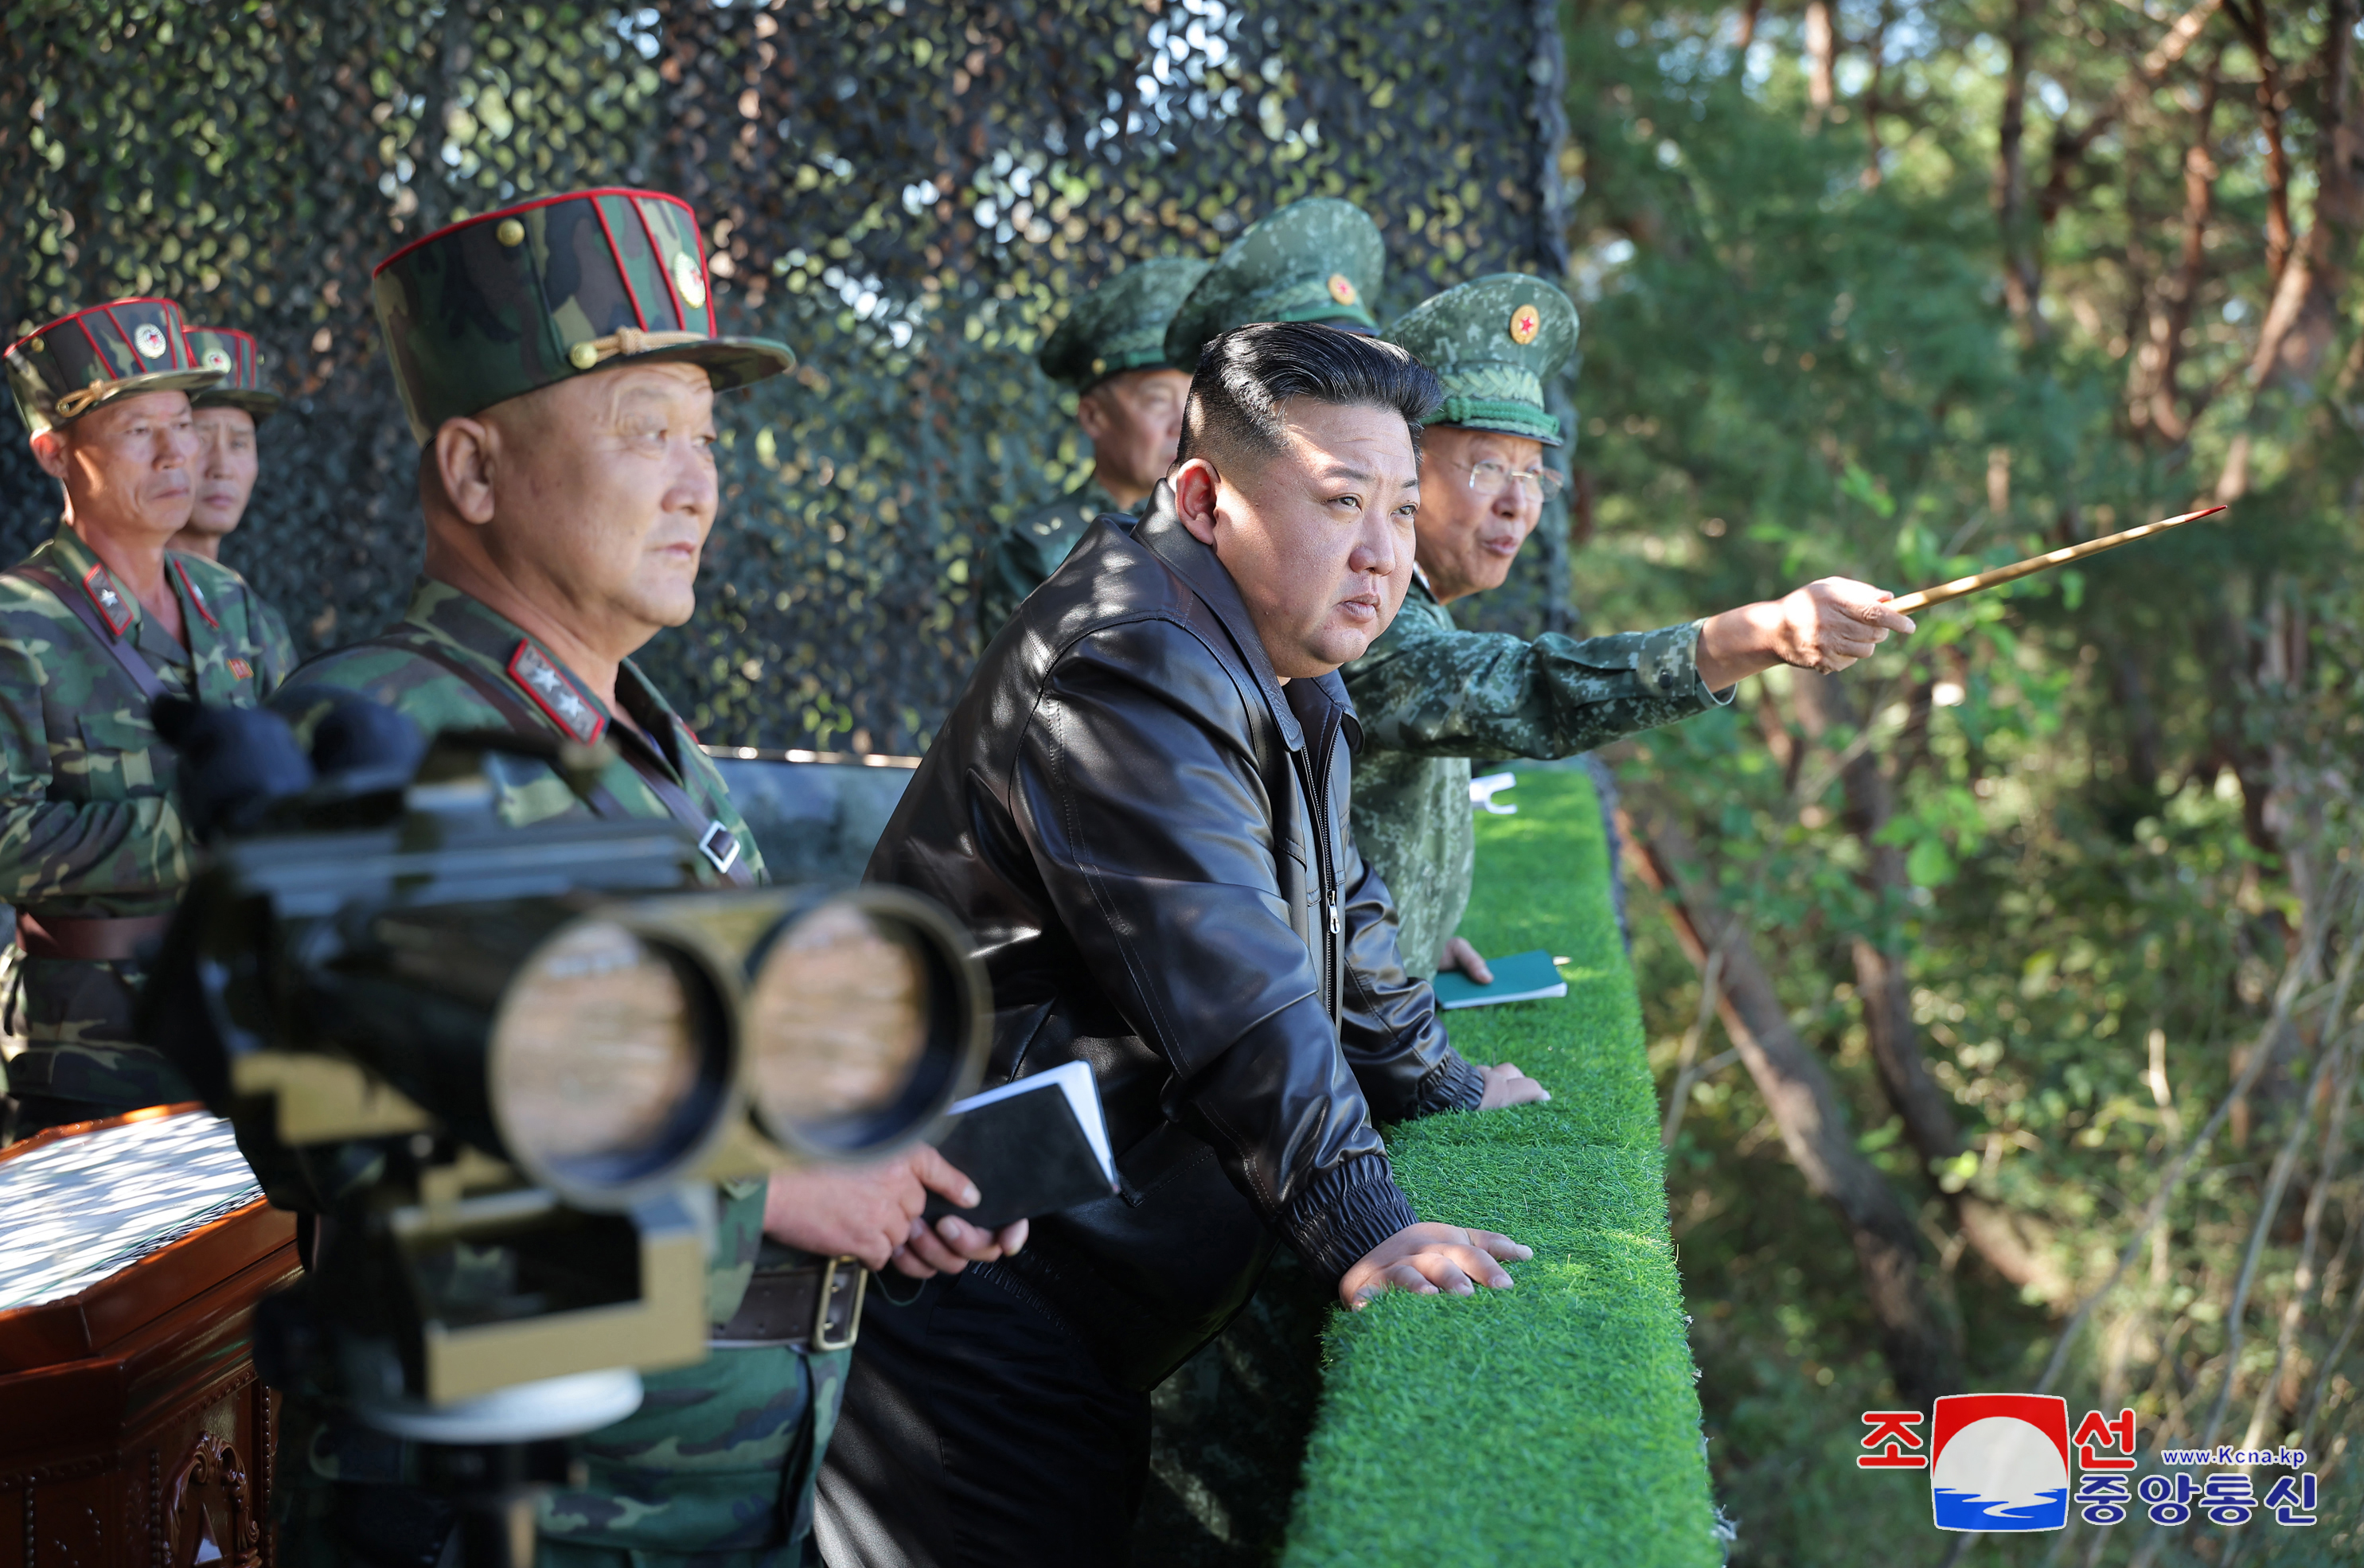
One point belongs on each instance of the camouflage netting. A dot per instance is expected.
(905, 192)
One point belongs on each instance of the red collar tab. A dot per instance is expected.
(555, 695)
(113, 608)
(197, 595)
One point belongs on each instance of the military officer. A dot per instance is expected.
(1110, 351)
(94, 625)
(227, 415)
(1431, 696)
(559, 362)
(1318, 259)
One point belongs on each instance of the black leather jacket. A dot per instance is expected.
(1146, 833)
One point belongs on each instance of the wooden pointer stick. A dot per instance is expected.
(1961, 585)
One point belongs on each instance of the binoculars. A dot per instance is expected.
(508, 1064)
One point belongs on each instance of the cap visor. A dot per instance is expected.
(729, 361)
(1549, 436)
(156, 381)
(260, 404)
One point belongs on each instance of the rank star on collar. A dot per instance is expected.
(112, 605)
(197, 595)
(555, 695)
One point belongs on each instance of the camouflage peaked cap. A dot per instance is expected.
(523, 298)
(1493, 344)
(232, 352)
(1120, 326)
(88, 360)
(1318, 260)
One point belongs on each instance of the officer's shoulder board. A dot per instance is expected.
(552, 692)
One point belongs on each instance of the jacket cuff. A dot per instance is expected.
(1681, 677)
(1345, 1214)
(1453, 1084)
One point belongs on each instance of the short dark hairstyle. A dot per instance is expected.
(1247, 374)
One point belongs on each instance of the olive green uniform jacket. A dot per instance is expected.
(717, 1468)
(88, 826)
(1431, 696)
(1031, 549)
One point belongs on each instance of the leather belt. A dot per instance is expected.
(818, 1307)
(110, 941)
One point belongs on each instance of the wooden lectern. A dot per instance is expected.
(132, 1428)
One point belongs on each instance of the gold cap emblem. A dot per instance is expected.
(1525, 322)
(511, 232)
(689, 280)
(1342, 288)
(215, 360)
(149, 341)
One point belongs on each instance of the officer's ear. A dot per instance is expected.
(460, 465)
(1196, 494)
(49, 451)
(1094, 414)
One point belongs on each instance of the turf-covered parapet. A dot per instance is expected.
(1556, 1422)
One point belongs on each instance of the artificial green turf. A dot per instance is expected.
(1556, 1422)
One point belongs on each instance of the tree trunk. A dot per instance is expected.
(1822, 49)
(1881, 982)
(1918, 1346)
(2022, 274)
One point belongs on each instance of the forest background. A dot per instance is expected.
(2030, 1055)
(2000, 989)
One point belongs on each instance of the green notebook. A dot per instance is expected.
(1521, 977)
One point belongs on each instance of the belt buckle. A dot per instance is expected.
(720, 845)
(839, 1277)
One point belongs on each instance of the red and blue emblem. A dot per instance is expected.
(1999, 1461)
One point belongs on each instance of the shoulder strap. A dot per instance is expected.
(135, 665)
(715, 842)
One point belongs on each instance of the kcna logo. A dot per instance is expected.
(2001, 1462)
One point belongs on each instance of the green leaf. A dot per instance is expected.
(1929, 864)
(1858, 485)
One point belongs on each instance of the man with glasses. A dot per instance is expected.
(1431, 696)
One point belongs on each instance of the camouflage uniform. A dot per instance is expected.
(391, 668)
(1117, 328)
(1031, 549)
(1431, 696)
(718, 1466)
(715, 1470)
(89, 830)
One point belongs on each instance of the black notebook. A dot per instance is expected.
(1032, 1147)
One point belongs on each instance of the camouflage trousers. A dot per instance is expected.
(74, 1016)
(715, 1469)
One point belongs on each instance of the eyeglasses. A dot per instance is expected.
(1488, 476)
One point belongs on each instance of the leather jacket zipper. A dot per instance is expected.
(1317, 796)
